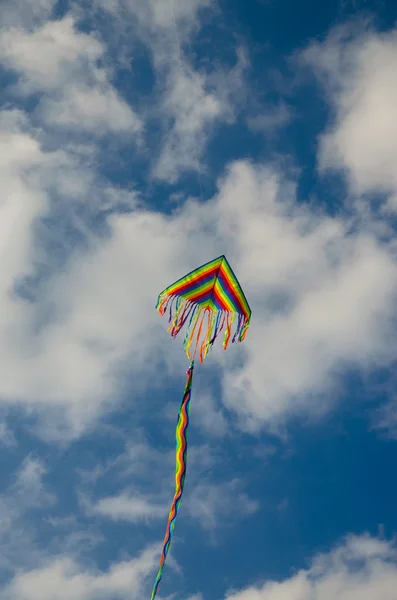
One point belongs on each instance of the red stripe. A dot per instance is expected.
(225, 282)
(219, 300)
(217, 272)
(196, 280)
(200, 296)
(207, 295)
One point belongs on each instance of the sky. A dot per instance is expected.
(139, 140)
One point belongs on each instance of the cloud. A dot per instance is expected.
(26, 494)
(80, 276)
(211, 503)
(25, 13)
(50, 55)
(384, 418)
(63, 63)
(192, 104)
(210, 416)
(158, 16)
(320, 295)
(362, 567)
(27, 174)
(45, 364)
(7, 437)
(36, 560)
(29, 487)
(322, 292)
(62, 578)
(192, 111)
(129, 508)
(355, 65)
(99, 110)
(214, 504)
(163, 14)
(272, 118)
(187, 102)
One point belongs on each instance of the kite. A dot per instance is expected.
(208, 300)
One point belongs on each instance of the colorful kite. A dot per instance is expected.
(209, 300)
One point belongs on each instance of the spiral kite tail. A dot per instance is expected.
(180, 472)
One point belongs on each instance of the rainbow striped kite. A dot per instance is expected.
(208, 300)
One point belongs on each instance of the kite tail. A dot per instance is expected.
(181, 457)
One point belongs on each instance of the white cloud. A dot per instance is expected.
(26, 172)
(63, 578)
(271, 119)
(126, 507)
(213, 504)
(7, 438)
(25, 13)
(62, 62)
(99, 110)
(357, 68)
(18, 537)
(384, 418)
(29, 489)
(362, 567)
(192, 105)
(192, 111)
(190, 102)
(210, 416)
(159, 15)
(320, 296)
(50, 55)
(163, 14)
(57, 568)
(210, 503)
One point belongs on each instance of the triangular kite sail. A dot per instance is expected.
(208, 300)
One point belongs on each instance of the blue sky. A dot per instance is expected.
(139, 140)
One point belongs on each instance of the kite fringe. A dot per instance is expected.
(180, 471)
(182, 311)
